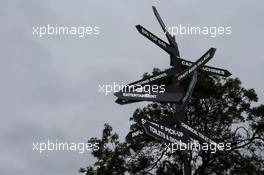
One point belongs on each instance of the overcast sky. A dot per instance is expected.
(49, 85)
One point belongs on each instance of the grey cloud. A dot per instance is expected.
(49, 85)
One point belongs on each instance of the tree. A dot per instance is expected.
(220, 107)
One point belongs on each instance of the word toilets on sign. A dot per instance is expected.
(165, 130)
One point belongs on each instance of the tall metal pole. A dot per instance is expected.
(187, 166)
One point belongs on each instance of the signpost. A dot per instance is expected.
(171, 129)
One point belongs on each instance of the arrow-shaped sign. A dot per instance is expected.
(139, 134)
(196, 134)
(174, 53)
(124, 101)
(159, 131)
(164, 126)
(164, 133)
(207, 69)
(156, 40)
(140, 120)
(162, 76)
(173, 94)
(196, 65)
(157, 97)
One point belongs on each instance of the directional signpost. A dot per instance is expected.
(165, 130)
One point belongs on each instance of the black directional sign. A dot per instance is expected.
(172, 50)
(138, 135)
(207, 69)
(125, 101)
(156, 78)
(159, 131)
(196, 134)
(158, 97)
(156, 40)
(164, 133)
(198, 64)
(164, 126)
(175, 91)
